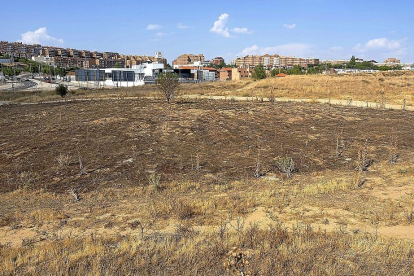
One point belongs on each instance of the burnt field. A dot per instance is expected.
(202, 187)
(120, 143)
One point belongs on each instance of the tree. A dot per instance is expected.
(61, 90)
(259, 73)
(352, 62)
(168, 84)
(274, 72)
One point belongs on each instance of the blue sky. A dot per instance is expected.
(326, 29)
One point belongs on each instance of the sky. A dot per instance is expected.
(325, 29)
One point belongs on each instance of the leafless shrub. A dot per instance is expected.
(195, 162)
(363, 159)
(382, 102)
(272, 98)
(257, 173)
(63, 160)
(26, 179)
(81, 167)
(237, 263)
(340, 144)
(75, 194)
(286, 165)
(154, 180)
(393, 150)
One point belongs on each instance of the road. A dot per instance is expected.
(18, 86)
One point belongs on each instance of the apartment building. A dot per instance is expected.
(108, 63)
(272, 61)
(61, 52)
(78, 58)
(248, 61)
(110, 55)
(96, 54)
(65, 62)
(84, 54)
(217, 60)
(225, 73)
(18, 49)
(73, 53)
(240, 73)
(187, 59)
(84, 62)
(335, 62)
(392, 61)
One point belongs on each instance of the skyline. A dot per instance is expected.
(322, 29)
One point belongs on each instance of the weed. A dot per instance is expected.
(63, 160)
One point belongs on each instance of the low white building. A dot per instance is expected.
(408, 67)
(119, 77)
(44, 60)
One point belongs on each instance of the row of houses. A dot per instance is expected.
(274, 61)
(249, 61)
(67, 57)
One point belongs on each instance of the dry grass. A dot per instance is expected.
(383, 88)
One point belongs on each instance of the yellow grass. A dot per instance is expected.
(386, 88)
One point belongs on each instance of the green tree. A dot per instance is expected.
(259, 73)
(352, 62)
(168, 85)
(61, 90)
(297, 70)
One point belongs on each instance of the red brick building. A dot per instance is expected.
(186, 59)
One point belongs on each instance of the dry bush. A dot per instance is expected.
(286, 165)
(184, 210)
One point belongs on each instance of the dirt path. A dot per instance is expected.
(362, 104)
(323, 101)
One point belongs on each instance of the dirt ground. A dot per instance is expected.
(200, 163)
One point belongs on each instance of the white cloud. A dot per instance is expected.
(153, 27)
(290, 49)
(289, 26)
(381, 48)
(382, 44)
(336, 49)
(39, 36)
(160, 34)
(182, 26)
(242, 31)
(219, 26)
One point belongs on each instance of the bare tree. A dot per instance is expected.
(168, 85)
